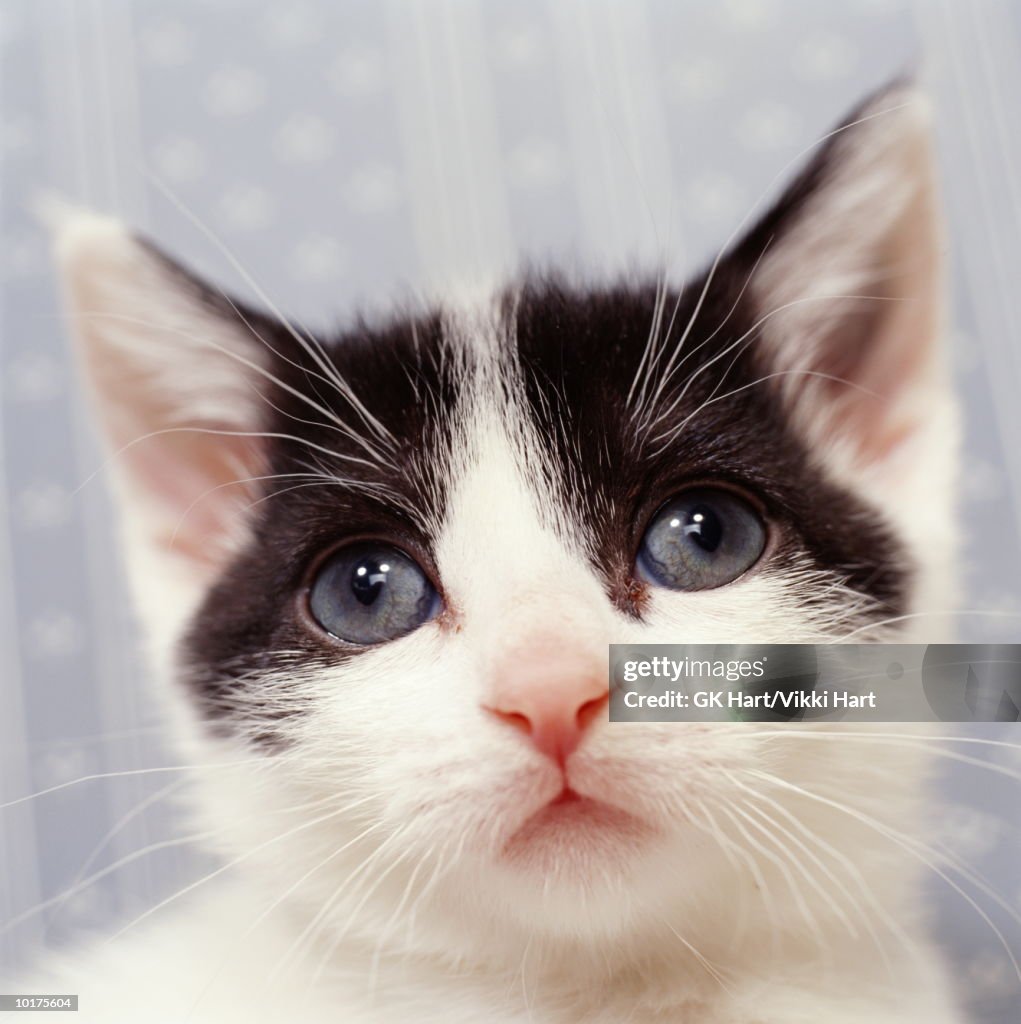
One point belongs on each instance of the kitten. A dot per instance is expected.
(379, 573)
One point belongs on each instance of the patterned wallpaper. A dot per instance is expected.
(351, 153)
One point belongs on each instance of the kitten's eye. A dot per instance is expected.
(701, 539)
(371, 592)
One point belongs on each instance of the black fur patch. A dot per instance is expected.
(580, 353)
(248, 621)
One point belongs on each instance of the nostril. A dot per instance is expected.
(515, 718)
(591, 710)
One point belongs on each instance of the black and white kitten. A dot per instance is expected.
(379, 572)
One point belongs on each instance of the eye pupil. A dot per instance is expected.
(704, 528)
(369, 580)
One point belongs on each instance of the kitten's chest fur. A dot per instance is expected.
(194, 969)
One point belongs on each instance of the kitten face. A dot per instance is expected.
(498, 466)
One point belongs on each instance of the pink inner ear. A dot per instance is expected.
(192, 491)
(891, 352)
(877, 435)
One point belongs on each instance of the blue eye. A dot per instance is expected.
(370, 592)
(701, 539)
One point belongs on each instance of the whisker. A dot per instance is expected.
(843, 861)
(124, 821)
(725, 248)
(644, 424)
(658, 308)
(906, 844)
(342, 386)
(750, 334)
(803, 908)
(127, 773)
(131, 858)
(753, 869)
(388, 927)
(764, 827)
(711, 969)
(225, 867)
(668, 439)
(330, 415)
(929, 744)
(921, 615)
(315, 927)
(264, 914)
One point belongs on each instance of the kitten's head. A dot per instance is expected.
(382, 568)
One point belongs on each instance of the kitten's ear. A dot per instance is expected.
(177, 377)
(849, 286)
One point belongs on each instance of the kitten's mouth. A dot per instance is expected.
(567, 796)
(572, 825)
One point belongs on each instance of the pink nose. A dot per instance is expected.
(551, 696)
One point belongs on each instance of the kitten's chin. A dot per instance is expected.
(574, 835)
